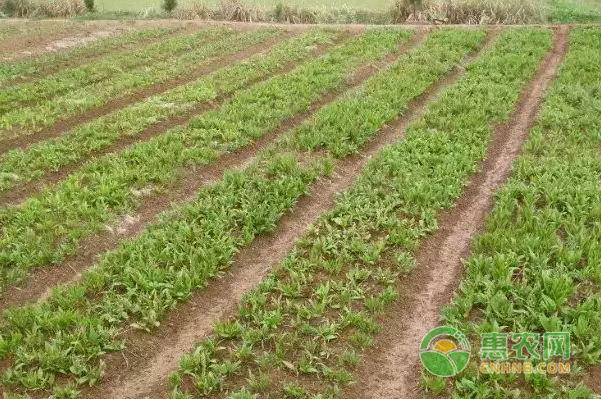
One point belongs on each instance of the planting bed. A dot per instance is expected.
(191, 211)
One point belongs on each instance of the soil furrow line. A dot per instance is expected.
(37, 287)
(19, 194)
(117, 103)
(592, 378)
(141, 372)
(392, 370)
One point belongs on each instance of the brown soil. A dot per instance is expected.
(592, 379)
(77, 41)
(21, 193)
(392, 369)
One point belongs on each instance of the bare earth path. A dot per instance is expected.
(392, 370)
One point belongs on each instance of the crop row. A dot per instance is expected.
(536, 267)
(196, 241)
(318, 310)
(21, 166)
(105, 188)
(13, 70)
(28, 120)
(36, 91)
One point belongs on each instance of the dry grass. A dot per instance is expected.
(470, 11)
(417, 11)
(197, 10)
(285, 13)
(61, 8)
(42, 8)
(235, 10)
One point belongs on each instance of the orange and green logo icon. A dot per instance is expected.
(445, 351)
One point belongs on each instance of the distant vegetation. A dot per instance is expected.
(370, 12)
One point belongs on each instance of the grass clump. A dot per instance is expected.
(169, 5)
(197, 10)
(401, 10)
(39, 8)
(285, 13)
(469, 11)
(235, 10)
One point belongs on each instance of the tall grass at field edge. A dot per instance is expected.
(399, 11)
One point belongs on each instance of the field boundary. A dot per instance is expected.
(439, 259)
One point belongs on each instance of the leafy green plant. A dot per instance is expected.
(431, 383)
(89, 5)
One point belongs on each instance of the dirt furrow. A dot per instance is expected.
(38, 285)
(392, 370)
(592, 378)
(141, 372)
(114, 104)
(21, 193)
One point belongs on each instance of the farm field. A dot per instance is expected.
(195, 210)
